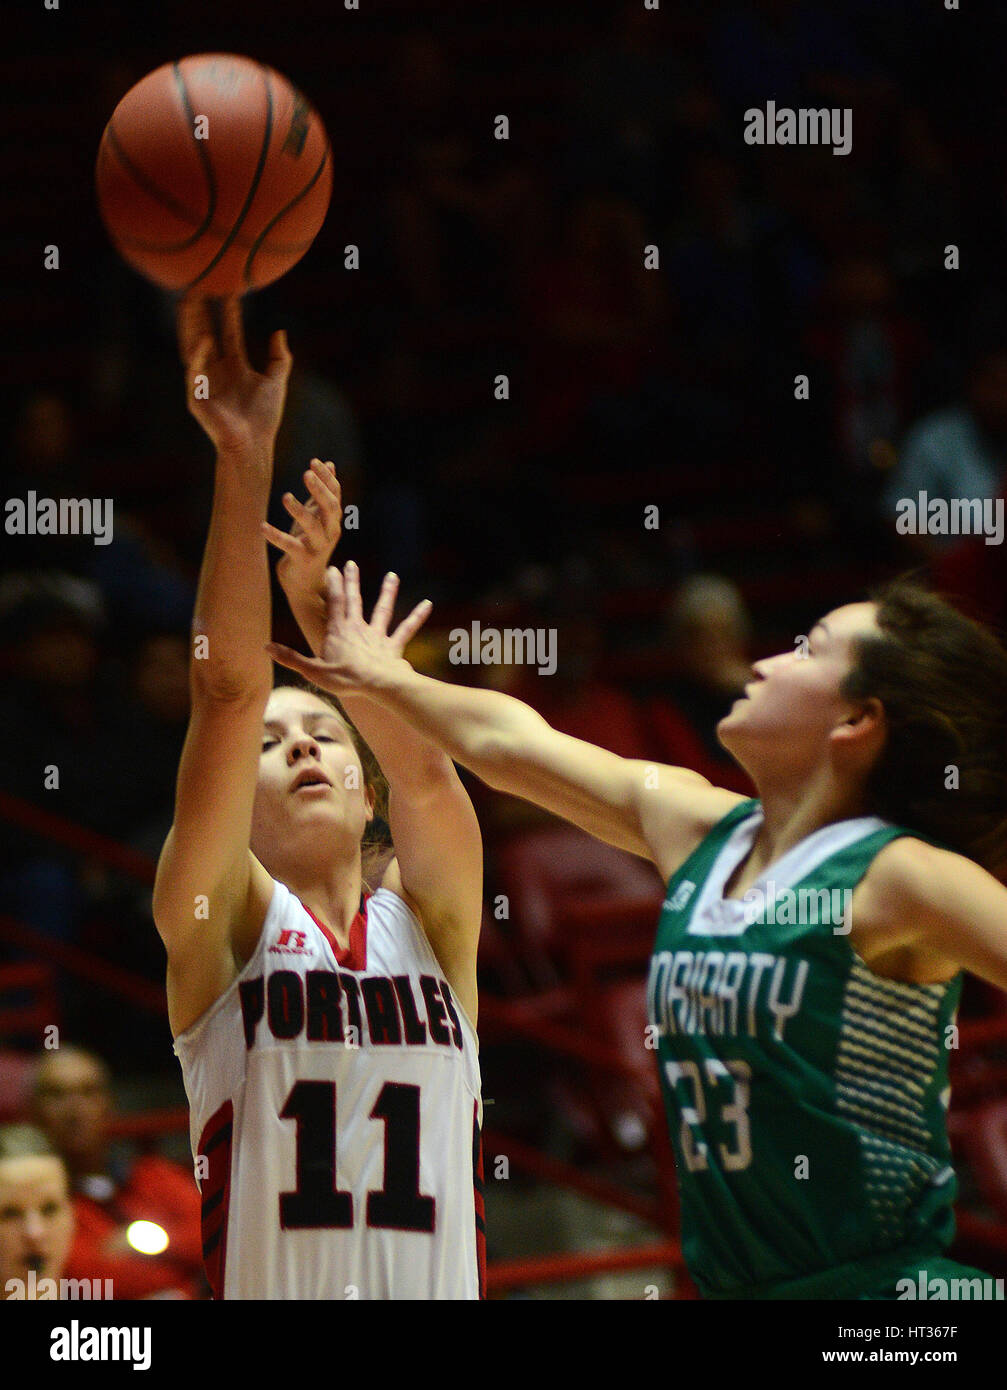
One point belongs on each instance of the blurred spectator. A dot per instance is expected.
(49, 626)
(707, 632)
(140, 576)
(401, 448)
(713, 265)
(459, 207)
(868, 354)
(154, 719)
(154, 715)
(732, 267)
(595, 313)
(36, 1217)
(623, 100)
(797, 52)
(160, 672)
(90, 722)
(578, 699)
(974, 574)
(960, 452)
(318, 422)
(927, 206)
(44, 456)
(44, 443)
(72, 1103)
(94, 747)
(871, 353)
(319, 419)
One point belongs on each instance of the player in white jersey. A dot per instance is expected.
(326, 1033)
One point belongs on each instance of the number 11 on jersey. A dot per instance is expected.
(317, 1202)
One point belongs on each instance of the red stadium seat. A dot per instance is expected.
(546, 873)
(983, 1137)
(584, 915)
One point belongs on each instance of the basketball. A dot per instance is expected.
(213, 174)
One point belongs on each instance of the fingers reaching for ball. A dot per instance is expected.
(194, 322)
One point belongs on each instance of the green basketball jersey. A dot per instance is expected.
(806, 1096)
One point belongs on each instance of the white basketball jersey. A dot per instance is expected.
(335, 1102)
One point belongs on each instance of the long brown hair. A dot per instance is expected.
(942, 679)
(376, 847)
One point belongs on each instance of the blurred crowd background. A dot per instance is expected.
(629, 388)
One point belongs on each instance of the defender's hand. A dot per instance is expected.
(356, 655)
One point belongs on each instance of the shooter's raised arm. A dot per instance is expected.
(206, 857)
(240, 410)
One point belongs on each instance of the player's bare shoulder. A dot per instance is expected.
(678, 809)
(900, 879)
(891, 907)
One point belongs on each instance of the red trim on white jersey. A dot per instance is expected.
(353, 956)
(215, 1147)
(478, 1198)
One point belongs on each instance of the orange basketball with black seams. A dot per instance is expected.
(214, 174)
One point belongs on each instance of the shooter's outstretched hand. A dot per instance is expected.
(240, 409)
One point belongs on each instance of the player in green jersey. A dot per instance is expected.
(809, 953)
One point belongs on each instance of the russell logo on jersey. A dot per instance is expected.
(291, 943)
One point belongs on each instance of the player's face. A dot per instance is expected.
(309, 771)
(36, 1219)
(794, 702)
